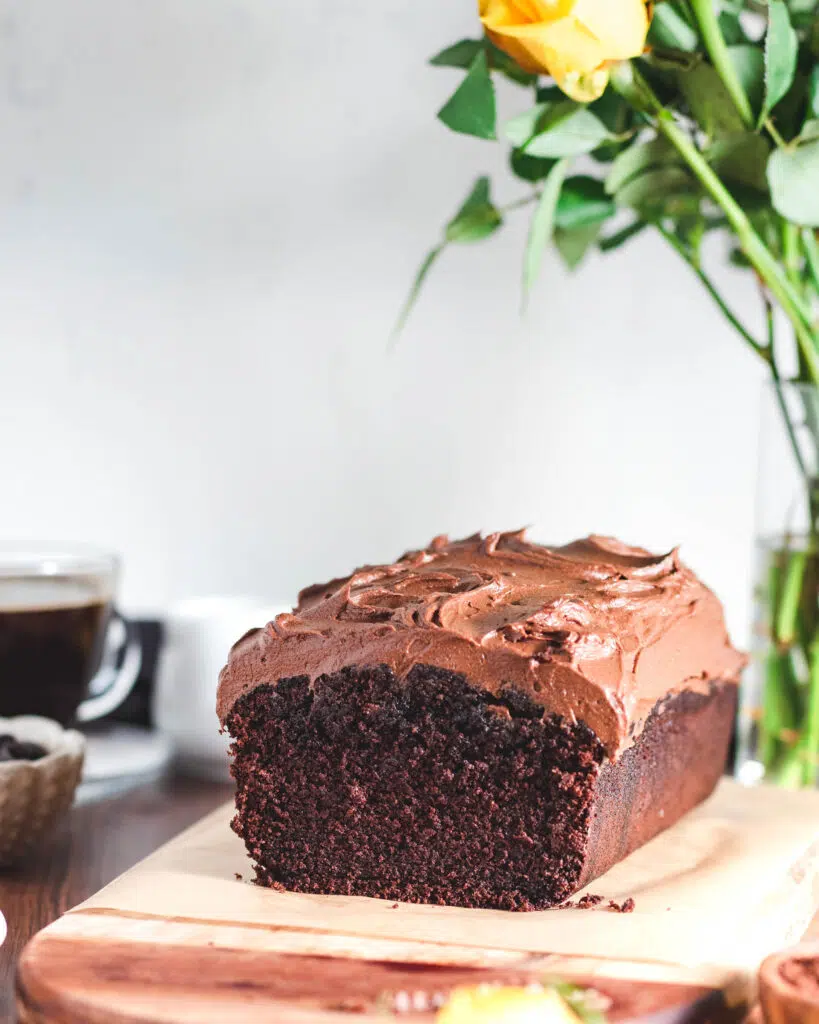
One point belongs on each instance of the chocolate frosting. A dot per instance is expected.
(596, 631)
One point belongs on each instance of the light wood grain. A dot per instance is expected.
(733, 881)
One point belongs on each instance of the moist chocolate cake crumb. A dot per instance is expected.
(626, 907)
(237, 876)
(409, 790)
(455, 805)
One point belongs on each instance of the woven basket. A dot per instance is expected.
(35, 794)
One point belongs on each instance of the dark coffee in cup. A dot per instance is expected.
(52, 632)
(65, 651)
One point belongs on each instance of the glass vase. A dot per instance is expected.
(779, 706)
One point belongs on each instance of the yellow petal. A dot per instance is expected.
(524, 12)
(521, 12)
(517, 52)
(583, 88)
(621, 27)
(559, 47)
(499, 15)
(547, 10)
(572, 40)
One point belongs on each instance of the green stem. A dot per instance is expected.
(811, 744)
(780, 395)
(772, 130)
(705, 11)
(811, 248)
(711, 288)
(516, 204)
(792, 254)
(633, 87)
(785, 626)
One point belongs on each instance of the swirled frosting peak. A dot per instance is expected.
(595, 630)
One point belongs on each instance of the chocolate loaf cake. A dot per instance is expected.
(485, 723)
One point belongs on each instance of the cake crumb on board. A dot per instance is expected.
(584, 903)
(626, 907)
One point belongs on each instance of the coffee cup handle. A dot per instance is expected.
(114, 680)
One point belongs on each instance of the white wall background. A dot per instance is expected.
(210, 211)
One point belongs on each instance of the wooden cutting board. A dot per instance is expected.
(184, 936)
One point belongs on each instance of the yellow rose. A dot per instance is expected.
(572, 40)
(487, 1004)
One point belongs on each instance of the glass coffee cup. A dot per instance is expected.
(65, 651)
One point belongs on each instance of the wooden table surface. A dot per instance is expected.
(96, 843)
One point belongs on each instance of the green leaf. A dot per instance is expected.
(568, 132)
(666, 59)
(793, 175)
(607, 152)
(500, 61)
(459, 55)
(690, 231)
(638, 158)
(613, 111)
(529, 168)
(791, 112)
(670, 30)
(813, 91)
(658, 191)
(471, 110)
(710, 102)
(731, 28)
(477, 218)
(415, 291)
(749, 62)
(522, 128)
(478, 225)
(583, 201)
(741, 158)
(550, 94)
(480, 195)
(463, 53)
(540, 232)
(781, 53)
(622, 236)
(810, 130)
(619, 118)
(574, 244)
